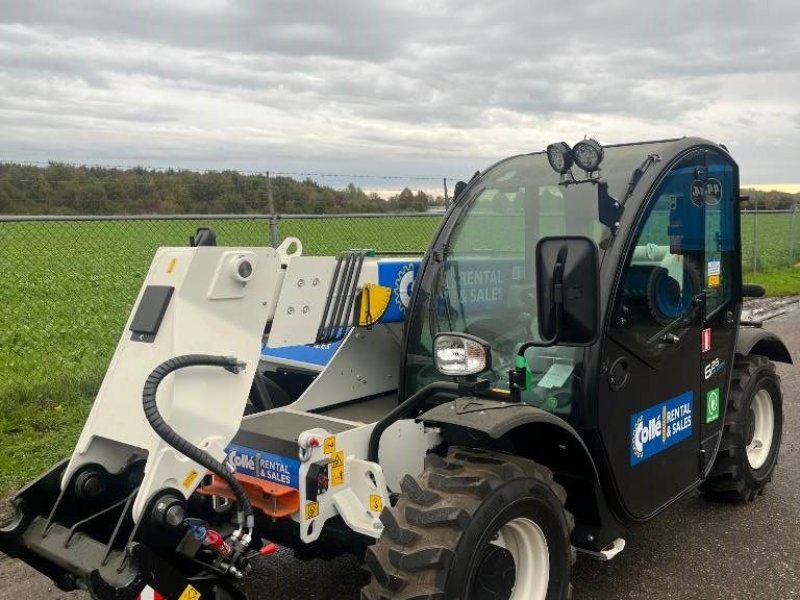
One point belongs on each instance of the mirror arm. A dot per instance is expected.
(517, 377)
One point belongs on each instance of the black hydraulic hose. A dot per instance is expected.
(171, 437)
(404, 408)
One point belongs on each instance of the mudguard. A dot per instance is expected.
(755, 340)
(516, 428)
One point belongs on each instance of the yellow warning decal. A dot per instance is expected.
(312, 510)
(189, 479)
(373, 303)
(337, 468)
(375, 503)
(330, 445)
(171, 265)
(190, 593)
(713, 281)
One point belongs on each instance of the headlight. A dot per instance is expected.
(460, 354)
(560, 157)
(588, 154)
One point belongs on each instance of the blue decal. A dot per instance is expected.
(266, 466)
(399, 275)
(661, 426)
(318, 354)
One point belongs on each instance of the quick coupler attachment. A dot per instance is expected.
(84, 537)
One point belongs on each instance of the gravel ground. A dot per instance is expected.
(696, 550)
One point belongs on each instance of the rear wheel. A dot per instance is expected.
(474, 526)
(751, 437)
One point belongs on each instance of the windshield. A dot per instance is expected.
(484, 283)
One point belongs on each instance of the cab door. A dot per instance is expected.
(651, 400)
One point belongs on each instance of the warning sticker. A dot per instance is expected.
(330, 445)
(375, 503)
(337, 468)
(714, 271)
(189, 479)
(312, 510)
(190, 593)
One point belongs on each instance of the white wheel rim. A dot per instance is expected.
(525, 542)
(763, 429)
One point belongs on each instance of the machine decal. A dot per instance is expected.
(312, 510)
(657, 428)
(714, 270)
(189, 479)
(375, 503)
(706, 340)
(266, 466)
(329, 446)
(190, 593)
(337, 469)
(714, 367)
(706, 192)
(712, 405)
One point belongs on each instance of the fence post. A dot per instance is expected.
(446, 199)
(274, 234)
(755, 236)
(793, 236)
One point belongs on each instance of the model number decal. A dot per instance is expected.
(714, 367)
(657, 428)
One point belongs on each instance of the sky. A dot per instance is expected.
(422, 88)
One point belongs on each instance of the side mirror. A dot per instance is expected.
(568, 291)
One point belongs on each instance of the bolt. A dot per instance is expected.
(315, 282)
(174, 515)
(306, 308)
(301, 282)
(290, 310)
(590, 538)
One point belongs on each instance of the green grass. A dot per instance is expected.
(66, 290)
(781, 282)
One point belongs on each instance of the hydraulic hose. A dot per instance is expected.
(171, 437)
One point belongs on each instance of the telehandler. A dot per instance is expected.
(565, 361)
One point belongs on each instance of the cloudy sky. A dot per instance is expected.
(402, 87)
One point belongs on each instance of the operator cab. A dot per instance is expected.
(663, 223)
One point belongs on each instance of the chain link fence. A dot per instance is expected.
(770, 239)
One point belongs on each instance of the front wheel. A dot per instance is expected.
(476, 525)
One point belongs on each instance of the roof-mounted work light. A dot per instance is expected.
(560, 157)
(587, 154)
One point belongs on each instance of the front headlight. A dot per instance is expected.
(460, 354)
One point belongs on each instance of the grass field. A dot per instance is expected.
(66, 289)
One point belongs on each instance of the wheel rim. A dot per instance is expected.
(515, 565)
(761, 429)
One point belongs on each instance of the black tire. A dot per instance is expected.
(732, 477)
(436, 538)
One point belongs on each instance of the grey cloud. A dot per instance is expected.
(362, 80)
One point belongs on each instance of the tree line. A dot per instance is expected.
(70, 190)
(773, 200)
(64, 189)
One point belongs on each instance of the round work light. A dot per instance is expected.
(588, 154)
(560, 157)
